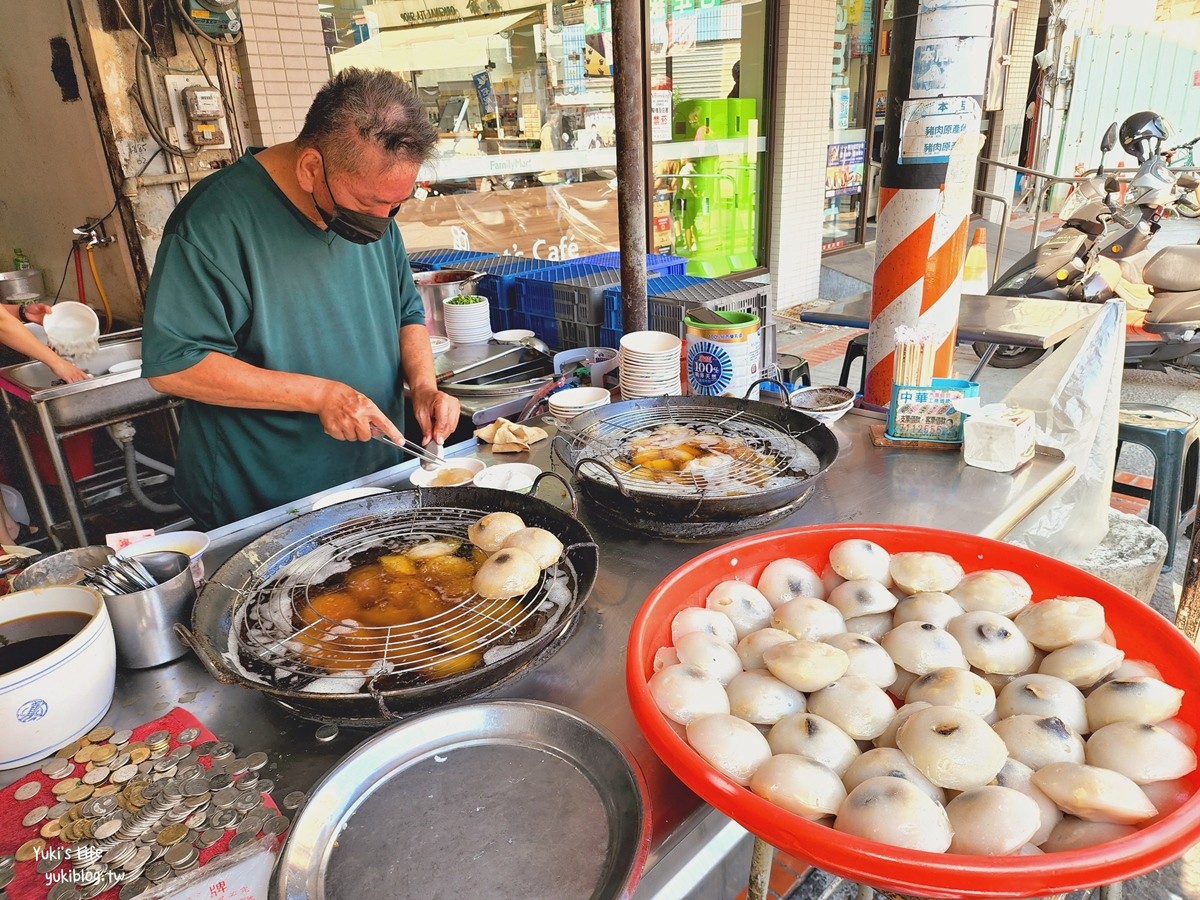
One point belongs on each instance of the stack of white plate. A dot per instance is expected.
(650, 364)
(566, 405)
(467, 318)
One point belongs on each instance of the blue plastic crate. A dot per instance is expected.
(431, 260)
(655, 287)
(610, 337)
(545, 327)
(537, 288)
(655, 262)
(501, 318)
(499, 282)
(577, 334)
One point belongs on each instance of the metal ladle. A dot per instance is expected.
(526, 343)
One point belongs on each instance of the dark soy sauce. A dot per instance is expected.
(25, 640)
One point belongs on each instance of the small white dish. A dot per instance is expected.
(127, 365)
(348, 494)
(439, 344)
(515, 477)
(513, 335)
(436, 477)
(191, 543)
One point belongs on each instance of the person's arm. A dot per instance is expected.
(221, 380)
(15, 335)
(436, 411)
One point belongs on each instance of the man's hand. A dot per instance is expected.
(68, 372)
(348, 415)
(437, 414)
(36, 313)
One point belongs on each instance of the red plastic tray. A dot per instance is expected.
(1140, 631)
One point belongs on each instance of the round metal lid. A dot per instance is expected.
(489, 799)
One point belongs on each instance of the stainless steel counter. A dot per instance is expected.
(865, 484)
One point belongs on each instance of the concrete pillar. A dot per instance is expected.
(799, 135)
(283, 63)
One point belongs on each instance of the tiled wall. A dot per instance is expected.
(283, 64)
(1016, 99)
(800, 135)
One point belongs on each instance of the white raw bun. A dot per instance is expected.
(992, 643)
(992, 821)
(708, 653)
(1043, 695)
(917, 572)
(993, 590)
(1083, 663)
(954, 687)
(750, 648)
(808, 619)
(860, 558)
(538, 543)
(759, 697)
(894, 811)
(1145, 700)
(1051, 624)
(921, 647)
(874, 626)
(862, 597)
(698, 618)
(928, 606)
(1142, 753)
(491, 531)
(806, 665)
(786, 579)
(732, 746)
(507, 573)
(888, 761)
(867, 658)
(746, 608)
(800, 785)
(1073, 833)
(683, 694)
(855, 705)
(888, 737)
(665, 656)
(1040, 741)
(816, 738)
(953, 748)
(1095, 794)
(1019, 777)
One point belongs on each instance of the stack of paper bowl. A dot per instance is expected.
(649, 364)
(467, 318)
(566, 405)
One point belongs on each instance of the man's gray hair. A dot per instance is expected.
(376, 107)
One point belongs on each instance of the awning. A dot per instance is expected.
(452, 45)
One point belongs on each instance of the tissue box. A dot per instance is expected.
(927, 413)
(999, 439)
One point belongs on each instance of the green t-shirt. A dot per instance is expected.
(242, 272)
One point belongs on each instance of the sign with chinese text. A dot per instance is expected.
(929, 129)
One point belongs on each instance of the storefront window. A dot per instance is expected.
(709, 123)
(853, 125)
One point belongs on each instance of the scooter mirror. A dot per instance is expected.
(1111, 184)
(1110, 138)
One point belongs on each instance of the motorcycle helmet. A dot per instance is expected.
(1142, 134)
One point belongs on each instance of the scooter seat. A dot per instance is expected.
(1175, 269)
(1172, 313)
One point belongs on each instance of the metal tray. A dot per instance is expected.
(505, 798)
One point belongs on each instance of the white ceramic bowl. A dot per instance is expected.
(348, 494)
(71, 324)
(128, 365)
(579, 398)
(64, 694)
(515, 477)
(425, 477)
(513, 335)
(190, 543)
(639, 343)
(825, 403)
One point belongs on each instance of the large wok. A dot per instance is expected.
(575, 446)
(235, 583)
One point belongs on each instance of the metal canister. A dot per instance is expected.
(436, 286)
(723, 360)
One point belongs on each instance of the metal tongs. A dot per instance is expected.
(429, 459)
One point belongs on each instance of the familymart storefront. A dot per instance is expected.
(522, 94)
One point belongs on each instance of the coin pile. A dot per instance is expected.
(139, 813)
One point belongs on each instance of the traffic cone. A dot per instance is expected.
(1124, 186)
(975, 269)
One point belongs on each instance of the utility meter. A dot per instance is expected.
(215, 17)
(204, 110)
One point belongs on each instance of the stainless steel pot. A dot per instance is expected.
(436, 286)
(21, 281)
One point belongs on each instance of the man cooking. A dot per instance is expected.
(282, 307)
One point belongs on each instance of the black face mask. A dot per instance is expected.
(354, 226)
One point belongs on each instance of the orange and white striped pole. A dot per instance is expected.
(940, 53)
